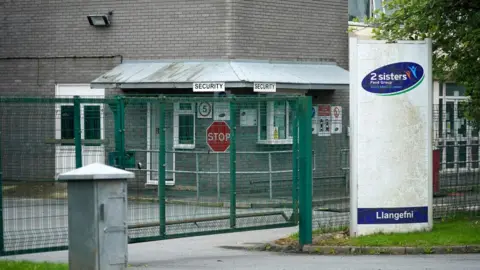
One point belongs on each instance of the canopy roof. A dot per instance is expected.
(234, 73)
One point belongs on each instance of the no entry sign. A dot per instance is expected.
(218, 136)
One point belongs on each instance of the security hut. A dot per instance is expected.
(264, 129)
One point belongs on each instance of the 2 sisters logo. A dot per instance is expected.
(394, 79)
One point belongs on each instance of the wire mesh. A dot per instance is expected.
(197, 165)
(456, 178)
(330, 143)
(37, 144)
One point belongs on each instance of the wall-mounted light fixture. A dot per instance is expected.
(100, 20)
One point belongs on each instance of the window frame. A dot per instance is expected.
(58, 133)
(270, 140)
(177, 112)
(454, 139)
(371, 10)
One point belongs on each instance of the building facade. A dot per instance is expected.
(164, 47)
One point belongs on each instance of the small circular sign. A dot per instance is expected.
(204, 108)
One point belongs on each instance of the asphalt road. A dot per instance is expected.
(205, 252)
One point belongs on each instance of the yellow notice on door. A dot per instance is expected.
(275, 134)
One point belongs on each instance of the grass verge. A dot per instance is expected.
(459, 231)
(25, 265)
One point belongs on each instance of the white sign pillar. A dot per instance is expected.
(391, 136)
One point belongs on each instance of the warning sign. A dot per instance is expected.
(336, 119)
(324, 114)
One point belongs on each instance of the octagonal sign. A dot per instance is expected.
(218, 136)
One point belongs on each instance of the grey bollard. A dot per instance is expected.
(97, 217)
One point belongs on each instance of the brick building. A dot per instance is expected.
(154, 47)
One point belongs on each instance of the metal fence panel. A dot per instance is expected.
(38, 142)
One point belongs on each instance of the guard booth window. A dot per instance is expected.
(66, 126)
(92, 123)
(184, 125)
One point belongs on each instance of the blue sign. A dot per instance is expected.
(394, 79)
(392, 215)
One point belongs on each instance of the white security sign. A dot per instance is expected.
(391, 136)
(336, 119)
(265, 87)
(209, 87)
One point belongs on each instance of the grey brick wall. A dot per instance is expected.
(298, 29)
(55, 31)
(169, 29)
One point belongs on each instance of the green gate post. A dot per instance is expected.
(295, 164)
(77, 131)
(161, 167)
(2, 241)
(120, 131)
(305, 166)
(233, 164)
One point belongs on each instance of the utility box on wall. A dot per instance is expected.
(97, 217)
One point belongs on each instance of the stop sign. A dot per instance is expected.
(218, 136)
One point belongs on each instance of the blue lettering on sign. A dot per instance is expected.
(394, 79)
(392, 215)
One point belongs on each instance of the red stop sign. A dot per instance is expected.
(218, 136)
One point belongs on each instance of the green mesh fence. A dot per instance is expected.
(330, 143)
(227, 164)
(456, 161)
(198, 140)
(38, 142)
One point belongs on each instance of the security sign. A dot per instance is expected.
(324, 111)
(218, 136)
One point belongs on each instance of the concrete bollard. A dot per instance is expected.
(97, 217)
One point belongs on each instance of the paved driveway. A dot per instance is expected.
(204, 252)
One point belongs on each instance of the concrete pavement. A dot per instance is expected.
(204, 252)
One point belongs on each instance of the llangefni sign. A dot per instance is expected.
(401, 215)
(394, 79)
(391, 136)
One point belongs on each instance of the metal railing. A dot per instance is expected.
(199, 172)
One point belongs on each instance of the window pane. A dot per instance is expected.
(185, 129)
(185, 106)
(66, 124)
(92, 122)
(359, 9)
(455, 90)
(450, 155)
(449, 111)
(462, 154)
(474, 154)
(291, 118)
(440, 118)
(280, 119)
(462, 122)
(263, 120)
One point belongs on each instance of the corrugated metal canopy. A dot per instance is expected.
(235, 73)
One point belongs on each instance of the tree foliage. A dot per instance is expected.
(453, 26)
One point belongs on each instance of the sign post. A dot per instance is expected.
(391, 136)
(218, 136)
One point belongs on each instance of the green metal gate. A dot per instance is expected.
(227, 164)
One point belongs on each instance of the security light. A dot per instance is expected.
(100, 20)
